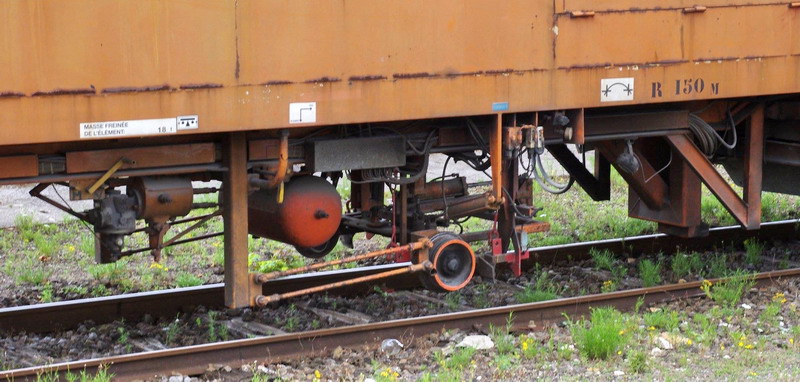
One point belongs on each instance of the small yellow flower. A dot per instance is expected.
(721, 347)
(791, 341)
(741, 344)
(621, 332)
(384, 374)
(524, 346)
(689, 342)
(71, 248)
(651, 328)
(619, 352)
(749, 346)
(753, 373)
(317, 374)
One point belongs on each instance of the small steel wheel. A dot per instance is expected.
(453, 263)
(319, 251)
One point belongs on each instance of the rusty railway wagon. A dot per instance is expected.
(127, 102)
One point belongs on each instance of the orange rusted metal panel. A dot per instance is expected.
(142, 157)
(240, 65)
(640, 5)
(19, 166)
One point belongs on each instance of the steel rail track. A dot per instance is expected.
(167, 303)
(194, 360)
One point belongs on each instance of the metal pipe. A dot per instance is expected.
(496, 157)
(201, 237)
(264, 300)
(264, 277)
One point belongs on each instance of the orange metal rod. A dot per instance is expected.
(283, 162)
(411, 247)
(496, 153)
(264, 300)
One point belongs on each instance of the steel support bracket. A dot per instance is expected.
(746, 210)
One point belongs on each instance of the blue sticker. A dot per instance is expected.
(500, 106)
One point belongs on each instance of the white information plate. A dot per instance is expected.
(302, 112)
(137, 127)
(616, 89)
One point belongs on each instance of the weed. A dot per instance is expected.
(172, 331)
(32, 273)
(685, 264)
(608, 286)
(185, 280)
(291, 323)
(45, 246)
(47, 293)
(718, 266)
(480, 299)
(542, 290)
(123, 338)
(729, 292)
(100, 291)
(216, 331)
(109, 273)
(662, 319)
(75, 289)
(453, 301)
(770, 313)
(650, 272)
(637, 362)
(502, 340)
(603, 259)
(528, 346)
(602, 335)
(752, 251)
(504, 362)
(272, 265)
(708, 330)
(24, 224)
(565, 352)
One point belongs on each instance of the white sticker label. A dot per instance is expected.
(616, 89)
(188, 122)
(302, 112)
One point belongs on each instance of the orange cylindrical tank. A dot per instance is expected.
(309, 215)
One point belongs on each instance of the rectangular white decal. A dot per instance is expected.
(302, 112)
(138, 127)
(616, 89)
(188, 122)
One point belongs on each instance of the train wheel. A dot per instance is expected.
(453, 262)
(319, 251)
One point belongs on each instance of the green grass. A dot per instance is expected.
(729, 292)
(718, 267)
(684, 265)
(662, 320)
(602, 336)
(753, 249)
(637, 362)
(650, 272)
(185, 280)
(542, 289)
(603, 259)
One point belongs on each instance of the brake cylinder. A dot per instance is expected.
(308, 216)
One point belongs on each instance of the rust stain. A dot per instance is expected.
(457, 74)
(401, 76)
(270, 83)
(132, 89)
(11, 95)
(501, 71)
(616, 65)
(366, 78)
(200, 86)
(64, 92)
(323, 79)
